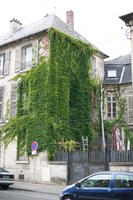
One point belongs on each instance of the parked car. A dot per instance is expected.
(102, 185)
(6, 178)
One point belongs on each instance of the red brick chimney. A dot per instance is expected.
(70, 20)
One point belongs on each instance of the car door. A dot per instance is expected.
(95, 187)
(122, 187)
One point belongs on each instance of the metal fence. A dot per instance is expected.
(94, 156)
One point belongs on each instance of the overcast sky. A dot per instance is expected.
(97, 20)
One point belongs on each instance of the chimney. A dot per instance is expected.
(14, 25)
(128, 19)
(70, 20)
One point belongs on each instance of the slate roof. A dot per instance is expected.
(42, 25)
(126, 18)
(122, 65)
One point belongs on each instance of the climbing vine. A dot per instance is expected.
(54, 98)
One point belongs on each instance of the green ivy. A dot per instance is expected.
(54, 98)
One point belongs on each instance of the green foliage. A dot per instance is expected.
(70, 145)
(54, 98)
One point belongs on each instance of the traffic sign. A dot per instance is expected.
(34, 146)
(34, 153)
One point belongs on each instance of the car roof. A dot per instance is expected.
(113, 172)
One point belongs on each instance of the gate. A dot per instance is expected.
(77, 166)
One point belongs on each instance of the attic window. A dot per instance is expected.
(111, 73)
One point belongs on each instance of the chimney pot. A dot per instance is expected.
(70, 20)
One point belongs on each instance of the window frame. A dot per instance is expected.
(113, 109)
(26, 64)
(112, 73)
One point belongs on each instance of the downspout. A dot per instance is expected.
(102, 124)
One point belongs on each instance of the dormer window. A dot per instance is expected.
(112, 74)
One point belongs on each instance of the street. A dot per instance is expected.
(25, 195)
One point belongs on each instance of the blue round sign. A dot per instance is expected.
(34, 146)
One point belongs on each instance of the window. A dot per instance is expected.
(111, 105)
(27, 57)
(111, 73)
(93, 66)
(1, 64)
(123, 181)
(101, 180)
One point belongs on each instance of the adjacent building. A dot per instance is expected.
(118, 72)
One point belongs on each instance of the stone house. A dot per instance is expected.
(117, 72)
(120, 72)
(20, 49)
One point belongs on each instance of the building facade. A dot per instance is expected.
(118, 74)
(20, 50)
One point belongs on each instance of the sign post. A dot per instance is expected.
(34, 153)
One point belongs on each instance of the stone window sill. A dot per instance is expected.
(22, 162)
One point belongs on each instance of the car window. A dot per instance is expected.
(123, 181)
(3, 170)
(101, 180)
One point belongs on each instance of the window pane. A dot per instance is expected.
(114, 114)
(27, 57)
(97, 181)
(109, 98)
(111, 73)
(114, 98)
(123, 181)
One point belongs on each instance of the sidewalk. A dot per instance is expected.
(41, 188)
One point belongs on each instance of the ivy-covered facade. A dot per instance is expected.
(49, 92)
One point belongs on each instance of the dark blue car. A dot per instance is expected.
(101, 186)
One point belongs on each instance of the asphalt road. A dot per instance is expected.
(25, 195)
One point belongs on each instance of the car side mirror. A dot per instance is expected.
(78, 185)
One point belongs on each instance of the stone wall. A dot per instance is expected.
(121, 166)
(126, 91)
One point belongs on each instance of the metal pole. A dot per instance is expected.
(34, 168)
(102, 124)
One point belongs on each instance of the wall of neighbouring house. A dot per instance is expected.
(126, 91)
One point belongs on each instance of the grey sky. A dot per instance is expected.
(97, 20)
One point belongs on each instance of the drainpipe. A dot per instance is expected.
(102, 124)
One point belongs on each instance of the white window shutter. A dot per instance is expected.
(13, 100)
(1, 102)
(18, 59)
(7, 63)
(35, 52)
